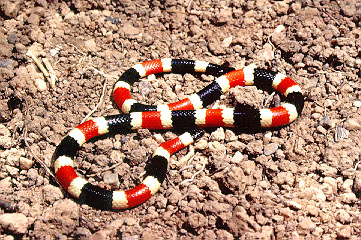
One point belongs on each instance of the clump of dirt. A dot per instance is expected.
(302, 181)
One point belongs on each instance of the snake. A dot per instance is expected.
(188, 115)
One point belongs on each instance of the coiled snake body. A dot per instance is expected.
(188, 114)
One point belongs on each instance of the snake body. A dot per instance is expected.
(188, 114)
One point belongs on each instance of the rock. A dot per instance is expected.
(17, 223)
(34, 19)
(281, 7)
(10, 8)
(52, 193)
(174, 197)
(285, 178)
(269, 149)
(90, 45)
(237, 158)
(32, 175)
(357, 182)
(82, 233)
(6, 140)
(130, 221)
(318, 195)
(307, 224)
(248, 167)
(12, 156)
(234, 179)
(352, 124)
(342, 216)
(201, 144)
(40, 84)
(294, 205)
(348, 8)
(357, 104)
(197, 220)
(64, 214)
(312, 210)
(227, 42)
(348, 197)
(145, 87)
(99, 235)
(344, 232)
(224, 235)
(13, 171)
(112, 180)
(5, 184)
(193, 191)
(347, 186)
(162, 202)
(286, 212)
(331, 182)
(267, 53)
(209, 234)
(224, 15)
(218, 135)
(215, 47)
(267, 137)
(25, 163)
(217, 148)
(7, 63)
(129, 30)
(4, 131)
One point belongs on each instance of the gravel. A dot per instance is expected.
(299, 182)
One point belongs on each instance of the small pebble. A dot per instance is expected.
(52, 193)
(25, 163)
(329, 103)
(17, 223)
(227, 42)
(307, 224)
(267, 53)
(201, 144)
(99, 235)
(316, 115)
(357, 104)
(286, 212)
(321, 130)
(344, 232)
(269, 149)
(267, 137)
(159, 138)
(248, 167)
(7, 63)
(111, 179)
(348, 197)
(332, 182)
(294, 205)
(130, 221)
(145, 87)
(237, 158)
(312, 210)
(352, 124)
(318, 195)
(90, 45)
(218, 135)
(82, 233)
(347, 185)
(40, 84)
(357, 181)
(342, 216)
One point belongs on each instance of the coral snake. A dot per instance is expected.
(188, 114)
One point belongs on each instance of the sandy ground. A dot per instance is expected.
(300, 182)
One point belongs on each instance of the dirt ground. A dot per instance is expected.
(300, 182)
